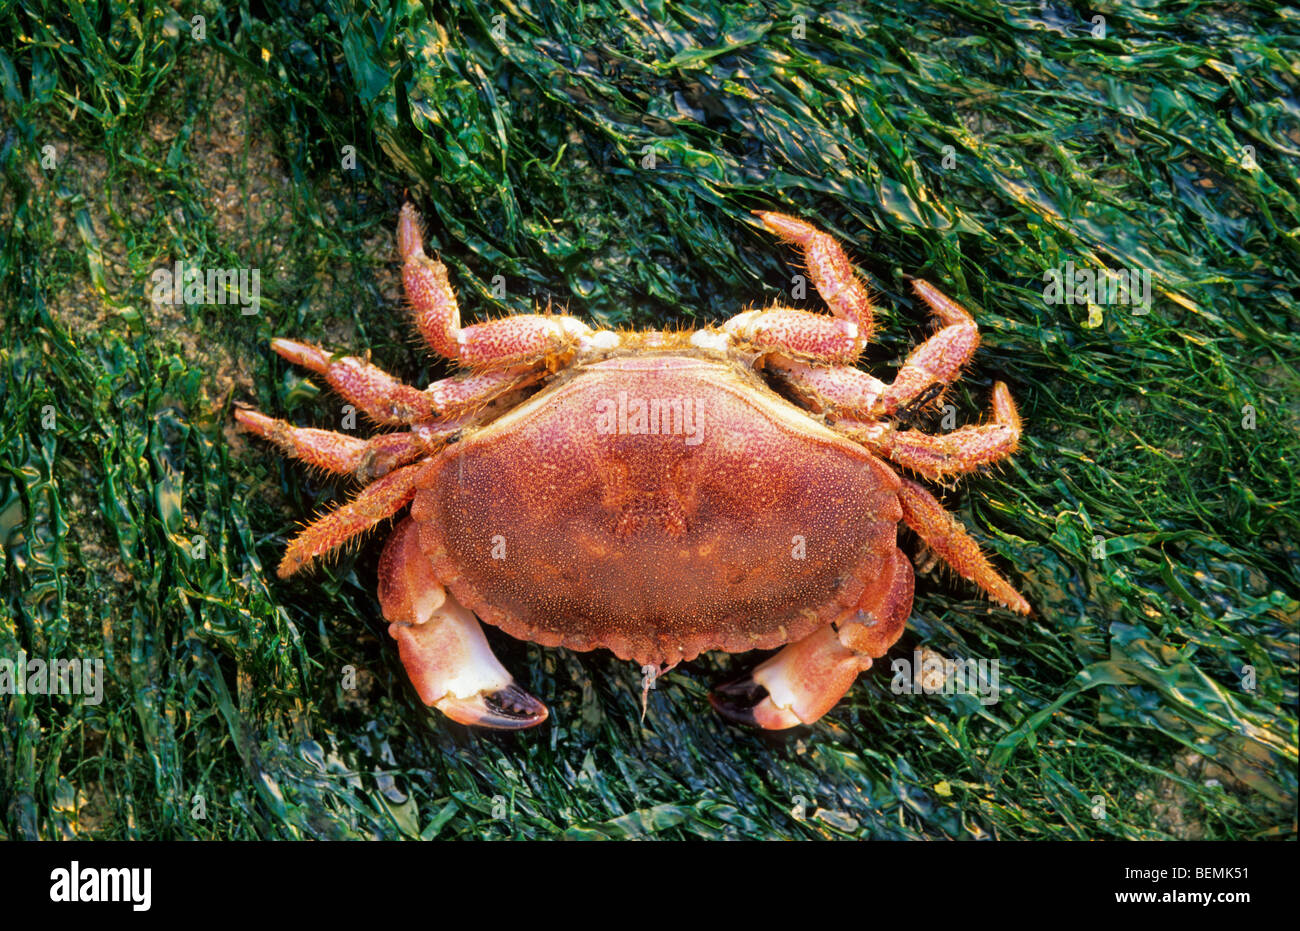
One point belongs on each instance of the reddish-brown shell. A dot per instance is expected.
(746, 527)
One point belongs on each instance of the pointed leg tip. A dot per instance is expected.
(789, 228)
(410, 233)
(304, 354)
(252, 420)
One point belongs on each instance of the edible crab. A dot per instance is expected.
(656, 494)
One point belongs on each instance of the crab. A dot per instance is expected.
(656, 494)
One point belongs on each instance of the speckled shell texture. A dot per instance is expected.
(742, 523)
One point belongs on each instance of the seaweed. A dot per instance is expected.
(604, 157)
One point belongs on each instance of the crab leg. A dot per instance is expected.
(836, 387)
(442, 645)
(376, 502)
(798, 332)
(933, 457)
(349, 455)
(832, 274)
(380, 396)
(534, 338)
(948, 539)
(938, 360)
(807, 678)
(334, 452)
(385, 400)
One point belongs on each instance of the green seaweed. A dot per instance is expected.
(605, 157)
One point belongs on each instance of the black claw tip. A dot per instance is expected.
(735, 700)
(512, 708)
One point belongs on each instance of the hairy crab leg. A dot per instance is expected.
(385, 400)
(334, 452)
(938, 360)
(934, 457)
(366, 460)
(380, 396)
(807, 678)
(535, 338)
(827, 387)
(376, 502)
(832, 274)
(935, 363)
(948, 539)
(442, 645)
(799, 333)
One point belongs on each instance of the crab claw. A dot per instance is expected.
(507, 709)
(453, 670)
(442, 645)
(746, 702)
(796, 686)
(807, 678)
